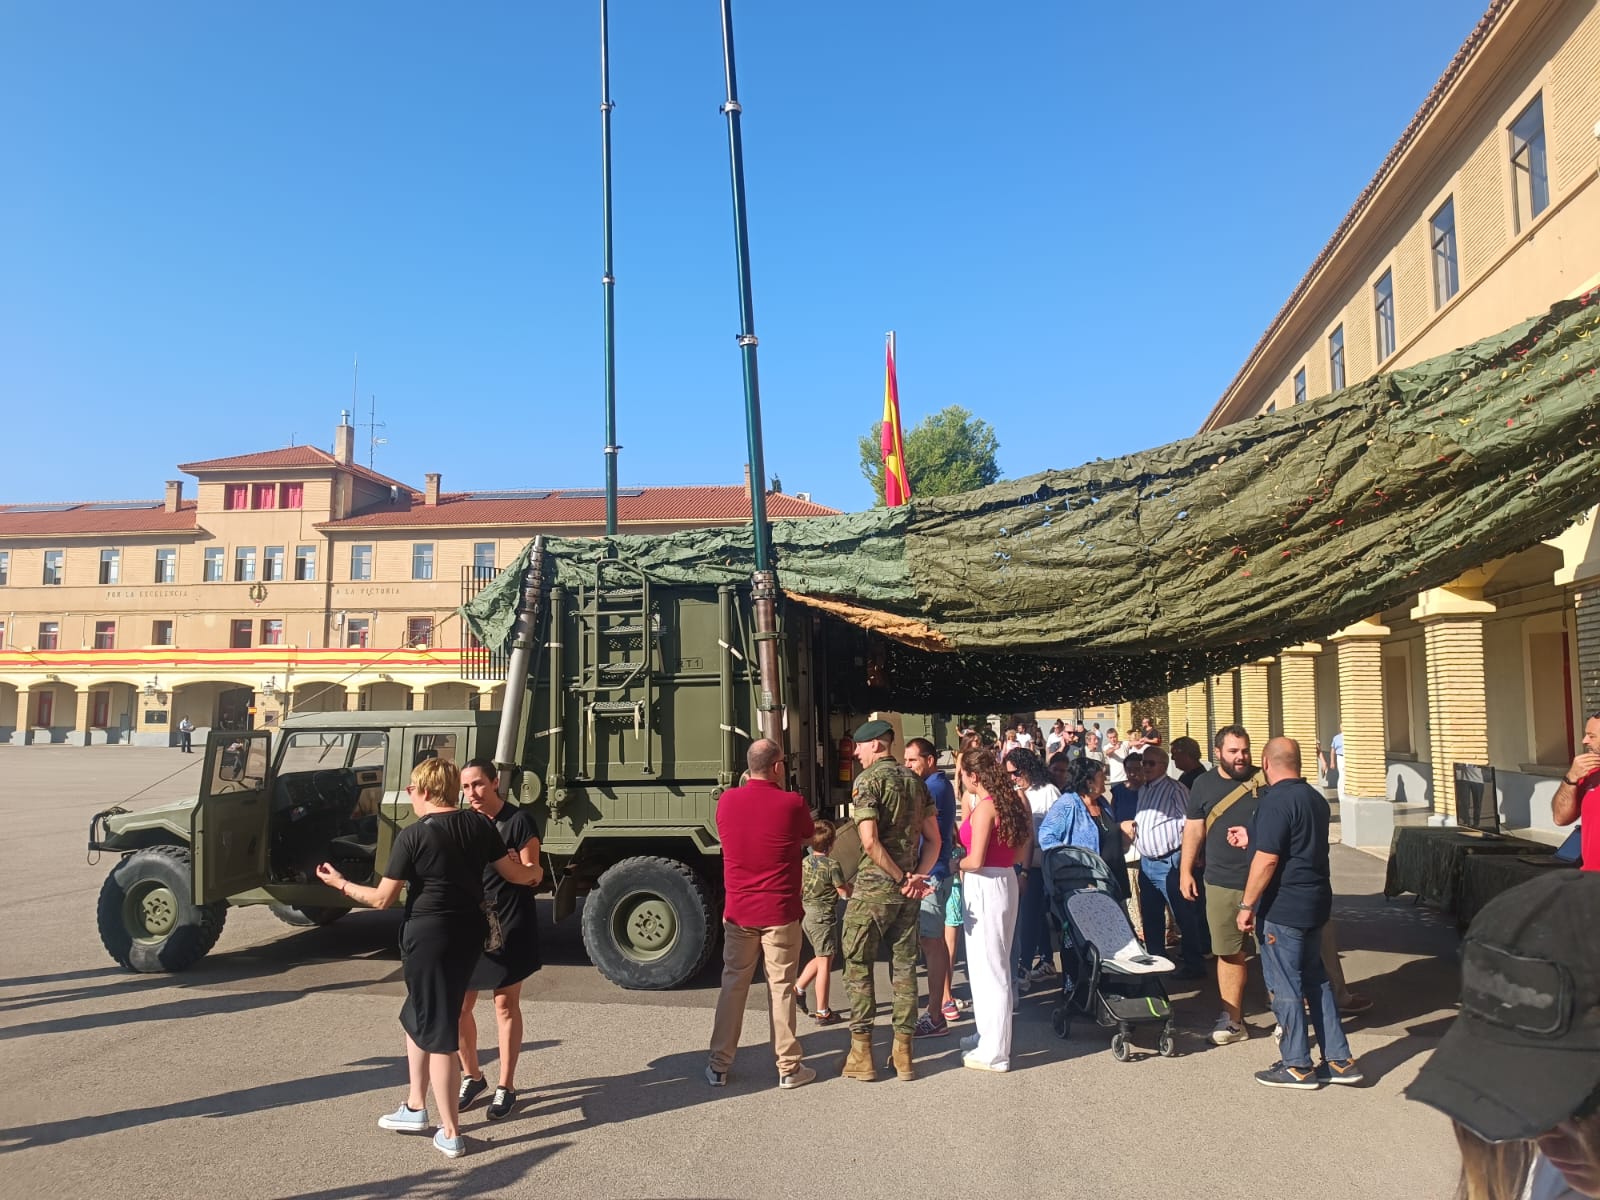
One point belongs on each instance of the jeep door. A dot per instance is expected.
(229, 831)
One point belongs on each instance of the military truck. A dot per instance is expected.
(629, 718)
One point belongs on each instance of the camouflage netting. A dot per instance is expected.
(1131, 576)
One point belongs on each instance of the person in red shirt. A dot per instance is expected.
(1579, 794)
(764, 830)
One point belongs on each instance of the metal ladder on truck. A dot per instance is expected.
(616, 644)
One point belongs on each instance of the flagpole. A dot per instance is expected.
(608, 283)
(764, 582)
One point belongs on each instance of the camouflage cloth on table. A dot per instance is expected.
(897, 801)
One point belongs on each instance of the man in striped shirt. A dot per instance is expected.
(1157, 829)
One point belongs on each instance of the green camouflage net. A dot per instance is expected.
(1128, 577)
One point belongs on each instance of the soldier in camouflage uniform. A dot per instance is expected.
(899, 831)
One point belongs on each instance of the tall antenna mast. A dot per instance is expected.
(764, 581)
(372, 425)
(608, 282)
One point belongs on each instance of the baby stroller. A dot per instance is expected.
(1115, 982)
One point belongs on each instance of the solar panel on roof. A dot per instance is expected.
(32, 508)
(508, 495)
(122, 505)
(595, 493)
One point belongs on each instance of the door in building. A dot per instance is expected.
(99, 710)
(233, 708)
(47, 709)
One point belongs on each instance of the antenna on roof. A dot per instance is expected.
(372, 425)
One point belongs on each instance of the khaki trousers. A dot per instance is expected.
(741, 947)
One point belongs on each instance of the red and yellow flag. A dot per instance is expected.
(896, 482)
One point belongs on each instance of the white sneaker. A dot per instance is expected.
(798, 1077)
(1226, 1032)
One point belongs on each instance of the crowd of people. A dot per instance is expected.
(1225, 857)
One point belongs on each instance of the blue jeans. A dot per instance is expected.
(1033, 935)
(1291, 959)
(1158, 889)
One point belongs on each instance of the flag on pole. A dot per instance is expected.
(896, 482)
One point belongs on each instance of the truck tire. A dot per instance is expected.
(648, 924)
(306, 916)
(148, 919)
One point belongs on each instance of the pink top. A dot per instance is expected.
(998, 853)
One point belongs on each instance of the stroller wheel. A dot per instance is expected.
(1168, 1045)
(1061, 1022)
(1120, 1050)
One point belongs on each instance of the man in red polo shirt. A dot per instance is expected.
(1579, 794)
(764, 830)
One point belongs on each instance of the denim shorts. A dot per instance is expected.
(934, 912)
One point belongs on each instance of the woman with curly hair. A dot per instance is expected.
(995, 838)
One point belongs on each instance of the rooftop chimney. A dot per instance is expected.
(430, 495)
(174, 495)
(344, 440)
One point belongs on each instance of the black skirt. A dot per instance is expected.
(439, 953)
(517, 958)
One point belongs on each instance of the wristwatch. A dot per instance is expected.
(1243, 907)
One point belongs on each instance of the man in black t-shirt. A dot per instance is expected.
(1288, 897)
(1224, 796)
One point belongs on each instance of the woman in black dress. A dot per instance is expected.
(440, 860)
(501, 971)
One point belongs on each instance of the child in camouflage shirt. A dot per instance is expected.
(821, 886)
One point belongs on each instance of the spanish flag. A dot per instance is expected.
(896, 482)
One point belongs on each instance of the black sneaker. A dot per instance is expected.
(1284, 1076)
(505, 1099)
(1333, 1070)
(471, 1089)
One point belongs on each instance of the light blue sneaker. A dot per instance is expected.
(405, 1120)
(450, 1147)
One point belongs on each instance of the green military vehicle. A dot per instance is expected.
(638, 703)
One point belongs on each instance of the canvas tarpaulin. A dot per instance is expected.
(1130, 576)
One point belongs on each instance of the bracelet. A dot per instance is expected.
(1570, 782)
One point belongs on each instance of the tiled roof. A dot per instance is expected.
(81, 518)
(1470, 47)
(656, 505)
(288, 457)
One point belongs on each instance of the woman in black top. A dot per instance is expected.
(501, 971)
(440, 860)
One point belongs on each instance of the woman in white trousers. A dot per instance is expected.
(995, 837)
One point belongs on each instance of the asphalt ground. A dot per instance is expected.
(260, 1073)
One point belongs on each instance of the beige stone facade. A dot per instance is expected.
(1486, 212)
(295, 579)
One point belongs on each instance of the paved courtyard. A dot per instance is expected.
(260, 1073)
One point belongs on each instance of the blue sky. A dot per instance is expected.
(1078, 218)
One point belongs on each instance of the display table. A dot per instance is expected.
(1429, 861)
(1485, 876)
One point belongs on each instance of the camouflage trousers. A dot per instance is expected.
(869, 921)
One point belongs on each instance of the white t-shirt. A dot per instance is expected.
(1024, 739)
(1054, 742)
(1116, 772)
(1039, 801)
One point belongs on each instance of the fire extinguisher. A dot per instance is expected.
(847, 755)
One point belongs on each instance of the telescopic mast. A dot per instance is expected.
(608, 283)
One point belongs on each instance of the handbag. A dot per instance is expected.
(495, 939)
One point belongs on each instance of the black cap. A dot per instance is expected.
(870, 731)
(1524, 1052)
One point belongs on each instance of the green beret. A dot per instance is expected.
(871, 731)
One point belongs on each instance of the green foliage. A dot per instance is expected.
(949, 451)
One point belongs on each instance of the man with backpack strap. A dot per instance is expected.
(1224, 796)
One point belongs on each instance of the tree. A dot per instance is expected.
(948, 451)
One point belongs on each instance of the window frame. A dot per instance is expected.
(305, 564)
(365, 642)
(272, 566)
(1300, 386)
(214, 557)
(166, 557)
(1336, 371)
(425, 640)
(246, 567)
(236, 497)
(422, 554)
(480, 567)
(1537, 170)
(271, 631)
(260, 492)
(110, 566)
(292, 492)
(364, 550)
(59, 567)
(1444, 255)
(105, 632)
(1383, 326)
(171, 630)
(50, 630)
(238, 626)
(5, 567)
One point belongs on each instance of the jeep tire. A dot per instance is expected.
(306, 916)
(648, 924)
(148, 919)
